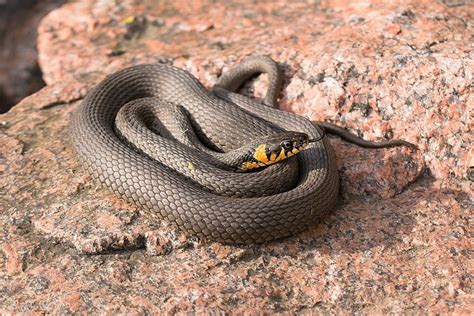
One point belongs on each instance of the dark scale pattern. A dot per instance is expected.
(203, 166)
(224, 118)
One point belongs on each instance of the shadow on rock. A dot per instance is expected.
(366, 225)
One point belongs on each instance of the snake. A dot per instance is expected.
(212, 162)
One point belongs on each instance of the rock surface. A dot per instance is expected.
(20, 75)
(386, 69)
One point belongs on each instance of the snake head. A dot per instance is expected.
(274, 148)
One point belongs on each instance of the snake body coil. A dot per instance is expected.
(226, 121)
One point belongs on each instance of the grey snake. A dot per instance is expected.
(173, 179)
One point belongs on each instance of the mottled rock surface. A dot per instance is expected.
(400, 239)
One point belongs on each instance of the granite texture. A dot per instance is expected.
(399, 240)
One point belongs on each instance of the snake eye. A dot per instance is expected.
(286, 144)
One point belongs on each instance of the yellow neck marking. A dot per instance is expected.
(261, 155)
(262, 159)
(281, 156)
(273, 157)
(249, 165)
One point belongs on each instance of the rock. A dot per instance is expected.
(20, 75)
(382, 69)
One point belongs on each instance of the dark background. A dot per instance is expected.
(20, 75)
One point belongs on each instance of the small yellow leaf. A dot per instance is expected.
(129, 19)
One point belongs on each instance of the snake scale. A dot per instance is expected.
(239, 207)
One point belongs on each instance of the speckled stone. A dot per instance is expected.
(398, 242)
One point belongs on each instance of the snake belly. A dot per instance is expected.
(227, 120)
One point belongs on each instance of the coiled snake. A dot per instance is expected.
(181, 184)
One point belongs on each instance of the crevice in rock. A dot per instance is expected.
(20, 74)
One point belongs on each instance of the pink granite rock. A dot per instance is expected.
(384, 69)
